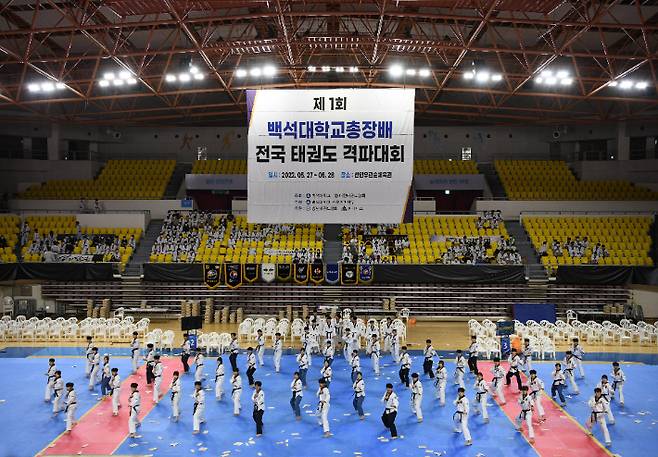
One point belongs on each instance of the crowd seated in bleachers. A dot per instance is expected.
(8, 237)
(431, 239)
(119, 180)
(591, 240)
(220, 167)
(553, 180)
(45, 238)
(445, 167)
(195, 236)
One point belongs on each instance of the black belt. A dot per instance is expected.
(235, 390)
(558, 383)
(478, 396)
(595, 416)
(218, 376)
(133, 350)
(173, 394)
(495, 381)
(524, 413)
(535, 393)
(461, 414)
(55, 392)
(405, 367)
(429, 358)
(460, 369)
(70, 404)
(615, 383)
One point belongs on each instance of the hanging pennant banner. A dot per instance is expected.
(336, 156)
(317, 272)
(331, 273)
(212, 275)
(268, 272)
(365, 273)
(301, 272)
(283, 271)
(233, 275)
(250, 272)
(348, 274)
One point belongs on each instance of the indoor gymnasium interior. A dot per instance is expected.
(317, 228)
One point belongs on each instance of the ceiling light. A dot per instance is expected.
(47, 87)
(109, 76)
(447, 191)
(340, 69)
(539, 79)
(546, 74)
(613, 84)
(469, 75)
(131, 81)
(566, 81)
(269, 70)
(33, 87)
(124, 74)
(240, 72)
(626, 84)
(170, 78)
(482, 76)
(395, 71)
(311, 68)
(184, 77)
(194, 70)
(496, 77)
(562, 74)
(103, 83)
(353, 69)
(255, 72)
(424, 72)
(198, 76)
(410, 72)
(551, 81)
(326, 68)
(117, 82)
(62, 86)
(641, 85)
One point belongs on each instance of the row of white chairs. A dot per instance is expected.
(161, 340)
(61, 329)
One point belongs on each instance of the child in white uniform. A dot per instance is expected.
(606, 393)
(460, 363)
(199, 407)
(536, 388)
(175, 396)
(50, 379)
(236, 391)
(481, 394)
(416, 397)
(278, 351)
(441, 382)
(375, 354)
(71, 406)
(324, 397)
(58, 392)
(497, 381)
(526, 403)
(219, 379)
(618, 380)
(598, 406)
(134, 404)
(260, 347)
(157, 377)
(115, 390)
(578, 353)
(461, 416)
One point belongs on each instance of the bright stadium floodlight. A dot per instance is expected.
(60, 86)
(170, 78)
(551, 81)
(194, 70)
(554, 78)
(626, 84)
(396, 71)
(326, 69)
(108, 76)
(354, 69)
(410, 72)
(311, 68)
(184, 77)
(103, 83)
(469, 75)
(47, 87)
(240, 73)
(124, 74)
(641, 85)
(117, 82)
(566, 81)
(131, 81)
(198, 76)
(613, 84)
(269, 70)
(424, 72)
(496, 77)
(339, 69)
(33, 87)
(255, 72)
(447, 191)
(482, 76)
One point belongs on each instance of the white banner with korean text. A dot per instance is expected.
(330, 156)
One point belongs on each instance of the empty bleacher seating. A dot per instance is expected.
(625, 239)
(553, 180)
(220, 167)
(445, 167)
(8, 237)
(119, 180)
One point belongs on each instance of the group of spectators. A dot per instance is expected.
(489, 219)
(375, 249)
(577, 247)
(85, 208)
(472, 251)
(182, 232)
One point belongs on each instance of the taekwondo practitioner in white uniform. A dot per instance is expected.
(199, 362)
(497, 381)
(236, 391)
(324, 398)
(58, 392)
(175, 396)
(375, 354)
(198, 414)
(416, 397)
(71, 406)
(578, 353)
(461, 415)
(536, 388)
(440, 382)
(157, 378)
(260, 347)
(618, 381)
(460, 364)
(95, 360)
(481, 394)
(526, 403)
(391, 404)
(134, 402)
(598, 407)
(219, 379)
(115, 390)
(278, 352)
(50, 380)
(134, 352)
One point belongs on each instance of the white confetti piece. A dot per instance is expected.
(637, 421)
(3, 401)
(205, 432)
(422, 446)
(192, 451)
(238, 443)
(153, 449)
(84, 446)
(203, 449)
(199, 444)
(133, 445)
(174, 444)
(337, 452)
(294, 434)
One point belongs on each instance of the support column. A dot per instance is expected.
(54, 149)
(623, 142)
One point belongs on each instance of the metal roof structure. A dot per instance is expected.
(607, 49)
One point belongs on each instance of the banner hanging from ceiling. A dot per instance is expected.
(329, 156)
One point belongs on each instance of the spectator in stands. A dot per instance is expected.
(82, 206)
(25, 233)
(543, 249)
(556, 248)
(3, 242)
(78, 231)
(98, 207)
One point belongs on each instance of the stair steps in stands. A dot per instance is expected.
(143, 252)
(333, 245)
(495, 185)
(527, 251)
(177, 177)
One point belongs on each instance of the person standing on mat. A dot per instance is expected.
(302, 362)
(157, 377)
(278, 351)
(481, 394)
(569, 367)
(329, 352)
(375, 353)
(473, 350)
(359, 387)
(578, 353)
(134, 351)
(526, 403)
(324, 397)
(536, 388)
(95, 358)
(115, 391)
(429, 353)
(460, 364)
(391, 404)
(618, 380)
(148, 359)
(134, 402)
(514, 362)
(461, 416)
(50, 380)
(441, 382)
(597, 404)
(88, 352)
(71, 406)
(260, 347)
(606, 392)
(297, 393)
(526, 356)
(198, 416)
(258, 398)
(175, 396)
(395, 346)
(199, 362)
(405, 367)
(326, 372)
(558, 384)
(58, 393)
(497, 381)
(186, 349)
(219, 379)
(106, 374)
(234, 349)
(251, 366)
(236, 391)
(355, 363)
(416, 397)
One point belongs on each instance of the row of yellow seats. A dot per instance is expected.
(445, 167)
(220, 167)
